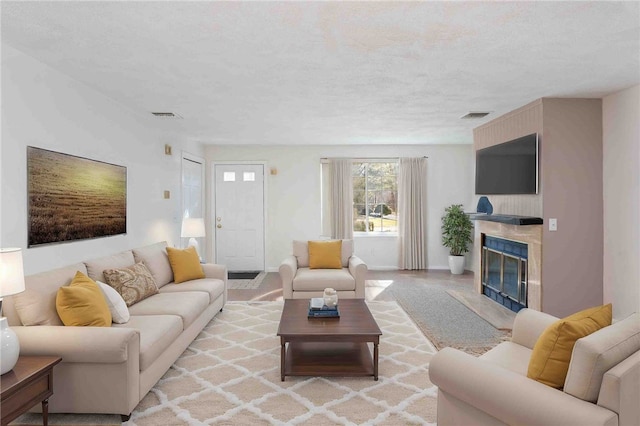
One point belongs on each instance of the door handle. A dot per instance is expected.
(219, 226)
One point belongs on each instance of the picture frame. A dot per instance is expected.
(73, 198)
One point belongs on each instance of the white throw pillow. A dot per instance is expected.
(117, 306)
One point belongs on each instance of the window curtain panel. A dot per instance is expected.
(412, 213)
(341, 199)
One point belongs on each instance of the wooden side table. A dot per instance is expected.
(30, 382)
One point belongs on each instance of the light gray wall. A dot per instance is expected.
(46, 109)
(621, 193)
(293, 195)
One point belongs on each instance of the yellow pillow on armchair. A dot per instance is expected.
(551, 354)
(325, 254)
(185, 264)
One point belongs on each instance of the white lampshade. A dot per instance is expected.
(11, 272)
(193, 227)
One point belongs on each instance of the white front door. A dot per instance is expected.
(239, 216)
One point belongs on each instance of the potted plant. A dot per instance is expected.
(456, 235)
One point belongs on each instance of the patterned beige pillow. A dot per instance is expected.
(134, 283)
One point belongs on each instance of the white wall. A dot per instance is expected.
(46, 109)
(621, 193)
(293, 195)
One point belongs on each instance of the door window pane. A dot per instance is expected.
(248, 176)
(229, 176)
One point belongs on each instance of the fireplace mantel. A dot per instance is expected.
(528, 234)
(508, 219)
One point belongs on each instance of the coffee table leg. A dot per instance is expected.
(375, 361)
(282, 355)
(45, 412)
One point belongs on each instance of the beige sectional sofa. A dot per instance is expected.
(110, 369)
(602, 386)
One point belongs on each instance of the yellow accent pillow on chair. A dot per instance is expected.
(185, 264)
(325, 254)
(551, 354)
(82, 303)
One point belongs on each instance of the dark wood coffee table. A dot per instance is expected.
(328, 346)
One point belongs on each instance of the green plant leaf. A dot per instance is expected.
(456, 230)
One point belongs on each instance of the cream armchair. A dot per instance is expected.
(300, 282)
(602, 386)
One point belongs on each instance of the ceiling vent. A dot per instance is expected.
(166, 114)
(472, 115)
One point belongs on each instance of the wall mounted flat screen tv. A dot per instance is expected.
(508, 168)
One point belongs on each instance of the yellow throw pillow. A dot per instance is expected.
(82, 303)
(325, 254)
(551, 354)
(185, 264)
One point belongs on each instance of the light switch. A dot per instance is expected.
(553, 224)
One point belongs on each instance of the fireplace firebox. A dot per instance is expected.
(504, 272)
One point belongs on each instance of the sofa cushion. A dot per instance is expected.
(117, 305)
(318, 279)
(134, 283)
(185, 264)
(156, 259)
(301, 252)
(82, 303)
(211, 286)
(552, 352)
(325, 254)
(157, 333)
(37, 304)
(595, 354)
(188, 305)
(509, 355)
(119, 260)
(347, 252)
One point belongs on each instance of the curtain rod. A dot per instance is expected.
(364, 159)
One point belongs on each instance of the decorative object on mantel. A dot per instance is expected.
(192, 228)
(456, 235)
(484, 206)
(11, 282)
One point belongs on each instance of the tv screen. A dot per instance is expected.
(508, 168)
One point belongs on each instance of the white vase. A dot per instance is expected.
(9, 347)
(456, 264)
(330, 297)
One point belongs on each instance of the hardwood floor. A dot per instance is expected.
(271, 287)
(377, 281)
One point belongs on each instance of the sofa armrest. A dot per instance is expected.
(620, 389)
(508, 396)
(214, 270)
(358, 269)
(287, 271)
(105, 345)
(529, 325)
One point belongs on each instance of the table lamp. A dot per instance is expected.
(11, 282)
(192, 228)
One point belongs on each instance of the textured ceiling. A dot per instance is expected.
(332, 73)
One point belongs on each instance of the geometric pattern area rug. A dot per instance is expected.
(230, 375)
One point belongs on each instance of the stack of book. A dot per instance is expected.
(317, 309)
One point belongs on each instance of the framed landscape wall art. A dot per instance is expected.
(73, 198)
